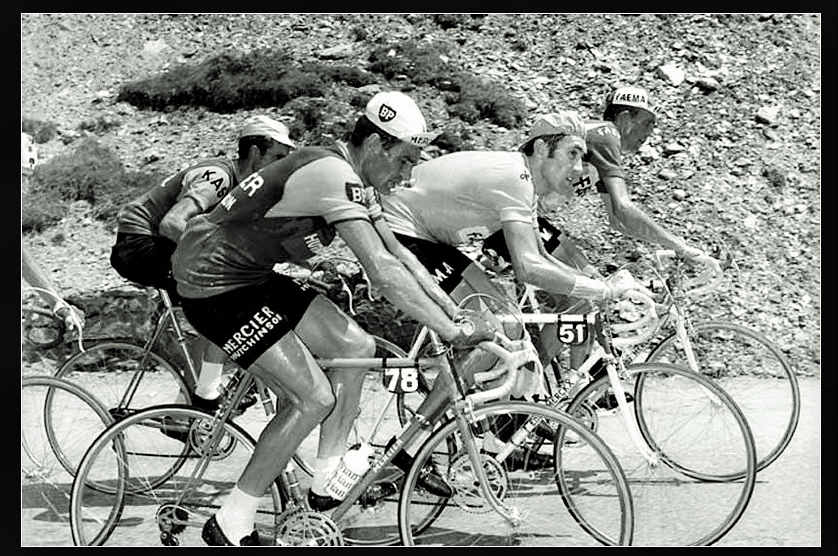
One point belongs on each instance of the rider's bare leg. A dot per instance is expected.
(330, 333)
(290, 371)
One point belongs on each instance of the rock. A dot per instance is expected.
(673, 148)
(707, 84)
(667, 174)
(674, 74)
(337, 52)
(679, 194)
(768, 115)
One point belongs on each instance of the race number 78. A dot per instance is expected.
(404, 379)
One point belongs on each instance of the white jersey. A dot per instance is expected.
(463, 197)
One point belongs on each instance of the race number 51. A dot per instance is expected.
(404, 379)
(573, 329)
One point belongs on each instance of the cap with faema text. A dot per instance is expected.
(630, 96)
(398, 115)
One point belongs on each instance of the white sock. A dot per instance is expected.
(323, 468)
(209, 380)
(237, 515)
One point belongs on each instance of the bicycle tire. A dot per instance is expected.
(689, 495)
(588, 472)
(50, 456)
(753, 371)
(134, 453)
(108, 368)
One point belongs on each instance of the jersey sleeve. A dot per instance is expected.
(206, 185)
(330, 188)
(604, 151)
(514, 198)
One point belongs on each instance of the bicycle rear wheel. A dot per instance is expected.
(530, 483)
(753, 371)
(125, 377)
(702, 470)
(50, 455)
(137, 486)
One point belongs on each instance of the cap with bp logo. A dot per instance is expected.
(398, 115)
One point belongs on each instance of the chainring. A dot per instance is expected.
(299, 527)
(468, 494)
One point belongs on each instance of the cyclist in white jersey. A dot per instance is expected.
(466, 197)
(150, 226)
(273, 326)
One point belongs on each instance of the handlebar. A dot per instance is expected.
(705, 283)
(513, 355)
(647, 325)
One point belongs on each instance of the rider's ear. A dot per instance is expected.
(372, 144)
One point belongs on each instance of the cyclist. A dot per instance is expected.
(35, 276)
(150, 226)
(464, 197)
(272, 325)
(628, 121)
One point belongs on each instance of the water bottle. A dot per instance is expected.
(351, 468)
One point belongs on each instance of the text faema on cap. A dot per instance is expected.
(268, 127)
(563, 122)
(630, 96)
(398, 115)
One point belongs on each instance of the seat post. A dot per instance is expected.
(179, 336)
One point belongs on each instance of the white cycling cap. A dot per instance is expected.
(630, 96)
(563, 122)
(268, 127)
(398, 115)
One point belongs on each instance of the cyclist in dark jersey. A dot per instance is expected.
(273, 326)
(150, 226)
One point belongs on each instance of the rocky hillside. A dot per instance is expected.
(735, 160)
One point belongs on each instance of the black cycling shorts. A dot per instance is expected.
(245, 322)
(146, 260)
(550, 236)
(445, 262)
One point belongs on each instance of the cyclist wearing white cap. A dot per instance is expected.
(150, 226)
(274, 327)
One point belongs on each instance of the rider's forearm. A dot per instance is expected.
(560, 278)
(420, 273)
(633, 222)
(402, 289)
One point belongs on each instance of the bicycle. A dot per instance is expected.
(749, 366)
(50, 451)
(164, 490)
(651, 432)
(137, 375)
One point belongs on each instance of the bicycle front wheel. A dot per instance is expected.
(125, 377)
(528, 490)
(155, 478)
(752, 370)
(692, 466)
(50, 455)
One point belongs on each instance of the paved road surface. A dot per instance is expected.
(785, 509)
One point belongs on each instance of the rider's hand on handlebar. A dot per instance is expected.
(471, 330)
(73, 316)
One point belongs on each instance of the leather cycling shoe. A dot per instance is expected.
(527, 460)
(214, 536)
(320, 503)
(429, 479)
(211, 406)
